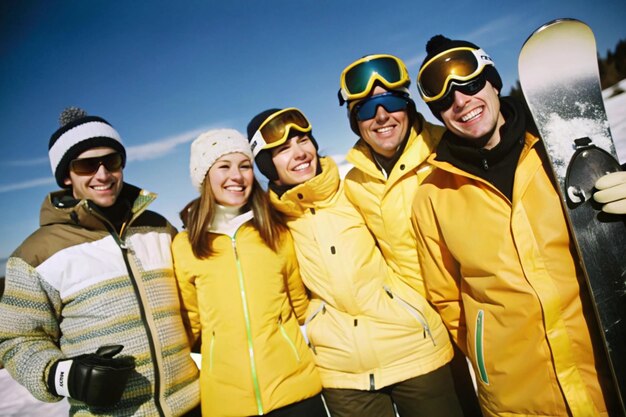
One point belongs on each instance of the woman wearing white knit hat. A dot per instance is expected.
(241, 291)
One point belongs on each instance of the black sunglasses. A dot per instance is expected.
(89, 166)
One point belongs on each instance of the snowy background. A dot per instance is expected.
(615, 102)
(15, 401)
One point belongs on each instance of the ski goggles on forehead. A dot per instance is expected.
(391, 102)
(275, 130)
(454, 66)
(89, 166)
(358, 79)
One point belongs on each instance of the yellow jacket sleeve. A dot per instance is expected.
(440, 272)
(296, 291)
(183, 258)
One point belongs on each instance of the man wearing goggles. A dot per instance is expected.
(389, 164)
(463, 68)
(491, 233)
(340, 262)
(89, 306)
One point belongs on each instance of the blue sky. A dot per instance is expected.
(162, 72)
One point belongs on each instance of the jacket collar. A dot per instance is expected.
(420, 144)
(530, 141)
(59, 208)
(319, 191)
(228, 220)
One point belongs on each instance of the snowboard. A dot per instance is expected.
(559, 76)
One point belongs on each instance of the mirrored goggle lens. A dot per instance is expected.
(276, 129)
(357, 80)
(89, 166)
(455, 64)
(469, 88)
(391, 102)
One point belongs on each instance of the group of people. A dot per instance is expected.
(442, 243)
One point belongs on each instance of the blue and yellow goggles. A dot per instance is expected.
(454, 67)
(275, 130)
(358, 78)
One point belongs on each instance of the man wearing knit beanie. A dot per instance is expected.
(89, 307)
(78, 133)
(439, 44)
(491, 180)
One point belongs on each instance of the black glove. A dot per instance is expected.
(97, 379)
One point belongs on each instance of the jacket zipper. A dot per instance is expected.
(119, 240)
(246, 314)
(415, 312)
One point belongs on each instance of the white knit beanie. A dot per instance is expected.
(209, 147)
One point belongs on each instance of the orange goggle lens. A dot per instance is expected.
(455, 65)
(275, 130)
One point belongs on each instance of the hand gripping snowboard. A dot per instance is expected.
(559, 76)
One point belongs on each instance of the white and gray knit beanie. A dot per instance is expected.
(209, 147)
(78, 133)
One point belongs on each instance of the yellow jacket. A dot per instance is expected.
(367, 328)
(254, 356)
(385, 203)
(503, 276)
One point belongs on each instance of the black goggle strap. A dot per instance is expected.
(342, 100)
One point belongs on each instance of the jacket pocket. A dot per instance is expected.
(479, 347)
(211, 351)
(413, 311)
(290, 342)
(320, 309)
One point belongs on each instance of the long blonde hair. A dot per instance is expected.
(198, 215)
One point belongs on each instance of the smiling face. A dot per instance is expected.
(102, 187)
(474, 116)
(231, 178)
(386, 131)
(295, 160)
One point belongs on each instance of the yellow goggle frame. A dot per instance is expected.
(275, 130)
(358, 78)
(457, 64)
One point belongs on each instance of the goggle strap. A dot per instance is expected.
(257, 143)
(483, 58)
(343, 97)
(404, 90)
